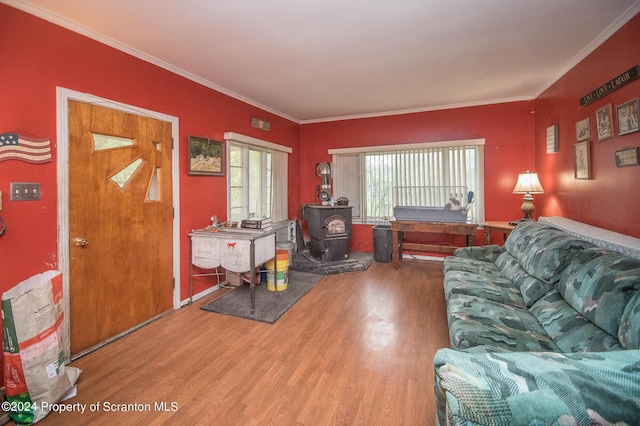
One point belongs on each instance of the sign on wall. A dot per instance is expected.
(612, 85)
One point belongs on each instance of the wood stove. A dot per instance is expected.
(329, 228)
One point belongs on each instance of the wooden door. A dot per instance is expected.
(120, 222)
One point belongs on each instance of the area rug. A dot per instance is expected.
(270, 305)
(303, 261)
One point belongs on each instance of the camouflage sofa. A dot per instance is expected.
(545, 330)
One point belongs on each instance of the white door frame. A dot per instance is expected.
(62, 136)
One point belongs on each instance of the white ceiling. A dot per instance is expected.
(317, 60)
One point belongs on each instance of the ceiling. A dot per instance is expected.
(321, 60)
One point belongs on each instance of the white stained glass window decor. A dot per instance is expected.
(123, 177)
(104, 142)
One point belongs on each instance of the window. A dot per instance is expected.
(249, 182)
(257, 178)
(376, 179)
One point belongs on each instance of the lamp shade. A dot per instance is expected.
(528, 183)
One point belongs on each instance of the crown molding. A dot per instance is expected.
(101, 38)
(632, 11)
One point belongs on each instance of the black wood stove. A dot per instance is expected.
(330, 230)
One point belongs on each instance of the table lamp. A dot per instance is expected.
(528, 183)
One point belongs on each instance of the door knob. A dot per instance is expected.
(80, 242)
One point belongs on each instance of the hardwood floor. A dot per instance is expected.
(357, 349)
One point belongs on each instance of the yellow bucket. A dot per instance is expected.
(281, 282)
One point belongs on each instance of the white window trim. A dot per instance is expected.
(381, 148)
(438, 144)
(237, 137)
(240, 139)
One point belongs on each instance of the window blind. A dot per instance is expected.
(418, 176)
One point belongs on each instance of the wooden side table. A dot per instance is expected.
(499, 226)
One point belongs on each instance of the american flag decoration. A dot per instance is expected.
(17, 147)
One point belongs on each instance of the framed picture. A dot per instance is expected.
(627, 157)
(206, 157)
(627, 117)
(583, 130)
(552, 139)
(582, 160)
(604, 121)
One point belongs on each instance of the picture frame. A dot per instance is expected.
(583, 130)
(604, 122)
(582, 160)
(206, 157)
(627, 115)
(627, 157)
(552, 139)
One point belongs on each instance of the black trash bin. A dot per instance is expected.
(382, 243)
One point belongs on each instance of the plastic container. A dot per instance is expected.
(429, 214)
(278, 281)
(382, 243)
(288, 246)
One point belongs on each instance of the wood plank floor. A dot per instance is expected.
(356, 350)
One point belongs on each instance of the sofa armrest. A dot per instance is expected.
(483, 253)
(522, 388)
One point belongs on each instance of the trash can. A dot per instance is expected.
(382, 243)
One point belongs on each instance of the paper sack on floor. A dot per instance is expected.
(34, 370)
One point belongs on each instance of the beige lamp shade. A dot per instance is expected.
(528, 183)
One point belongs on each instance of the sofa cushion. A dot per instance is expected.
(474, 321)
(569, 330)
(483, 253)
(453, 263)
(629, 334)
(484, 286)
(531, 288)
(543, 251)
(599, 284)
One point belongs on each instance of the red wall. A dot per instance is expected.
(509, 150)
(38, 56)
(611, 199)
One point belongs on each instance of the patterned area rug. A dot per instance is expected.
(270, 305)
(303, 261)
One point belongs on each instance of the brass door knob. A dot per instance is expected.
(80, 242)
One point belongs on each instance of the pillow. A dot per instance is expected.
(544, 252)
(629, 334)
(599, 284)
(530, 287)
(569, 330)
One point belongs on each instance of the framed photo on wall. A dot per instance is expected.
(604, 122)
(627, 117)
(582, 160)
(583, 130)
(627, 157)
(206, 157)
(552, 139)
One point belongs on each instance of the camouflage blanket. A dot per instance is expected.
(537, 388)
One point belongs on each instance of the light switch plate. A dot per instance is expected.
(25, 191)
